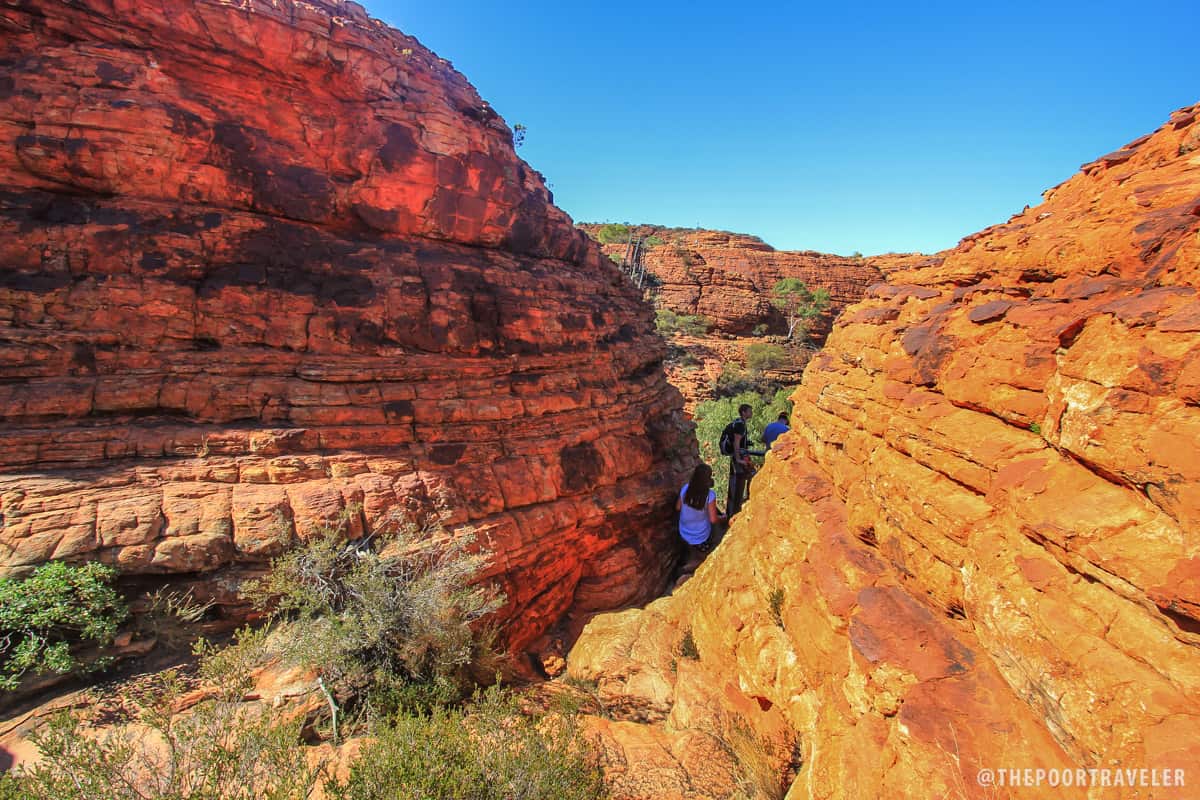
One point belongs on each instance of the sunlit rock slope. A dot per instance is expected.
(978, 548)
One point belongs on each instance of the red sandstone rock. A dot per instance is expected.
(977, 548)
(728, 277)
(264, 263)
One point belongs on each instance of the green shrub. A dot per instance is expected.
(765, 767)
(762, 357)
(761, 329)
(612, 233)
(12, 788)
(652, 241)
(221, 749)
(488, 750)
(682, 357)
(388, 619)
(775, 602)
(687, 646)
(43, 615)
(735, 380)
(667, 322)
(405, 613)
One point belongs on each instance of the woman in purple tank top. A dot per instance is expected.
(697, 507)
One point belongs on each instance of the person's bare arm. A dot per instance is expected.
(737, 449)
(713, 516)
(678, 503)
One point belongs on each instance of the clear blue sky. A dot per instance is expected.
(863, 126)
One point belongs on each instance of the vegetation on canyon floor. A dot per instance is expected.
(43, 615)
(390, 626)
(712, 416)
(393, 615)
(765, 356)
(492, 750)
(668, 323)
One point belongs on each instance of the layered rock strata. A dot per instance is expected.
(271, 265)
(977, 549)
(728, 277)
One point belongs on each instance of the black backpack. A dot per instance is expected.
(726, 443)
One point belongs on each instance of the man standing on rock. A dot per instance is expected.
(740, 467)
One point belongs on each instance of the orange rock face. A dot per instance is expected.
(264, 263)
(728, 277)
(978, 547)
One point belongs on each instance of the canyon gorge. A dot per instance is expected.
(976, 549)
(267, 268)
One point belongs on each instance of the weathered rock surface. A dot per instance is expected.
(978, 548)
(728, 277)
(261, 263)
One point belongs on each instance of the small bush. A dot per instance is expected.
(734, 380)
(667, 322)
(488, 750)
(761, 329)
(687, 646)
(43, 615)
(682, 357)
(775, 601)
(765, 767)
(612, 233)
(221, 749)
(405, 614)
(762, 357)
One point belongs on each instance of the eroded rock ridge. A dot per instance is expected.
(977, 548)
(261, 263)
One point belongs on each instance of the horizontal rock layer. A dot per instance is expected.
(264, 263)
(978, 546)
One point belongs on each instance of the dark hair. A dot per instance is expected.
(783, 416)
(745, 407)
(696, 495)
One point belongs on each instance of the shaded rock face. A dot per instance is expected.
(263, 264)
(977, 548)
(728, 277)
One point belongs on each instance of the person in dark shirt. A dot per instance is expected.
(775, 430)
(740, 467)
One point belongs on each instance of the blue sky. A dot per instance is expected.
(867, 127)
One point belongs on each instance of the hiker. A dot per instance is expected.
(775, 430)
(697, 507)
(735, 440)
